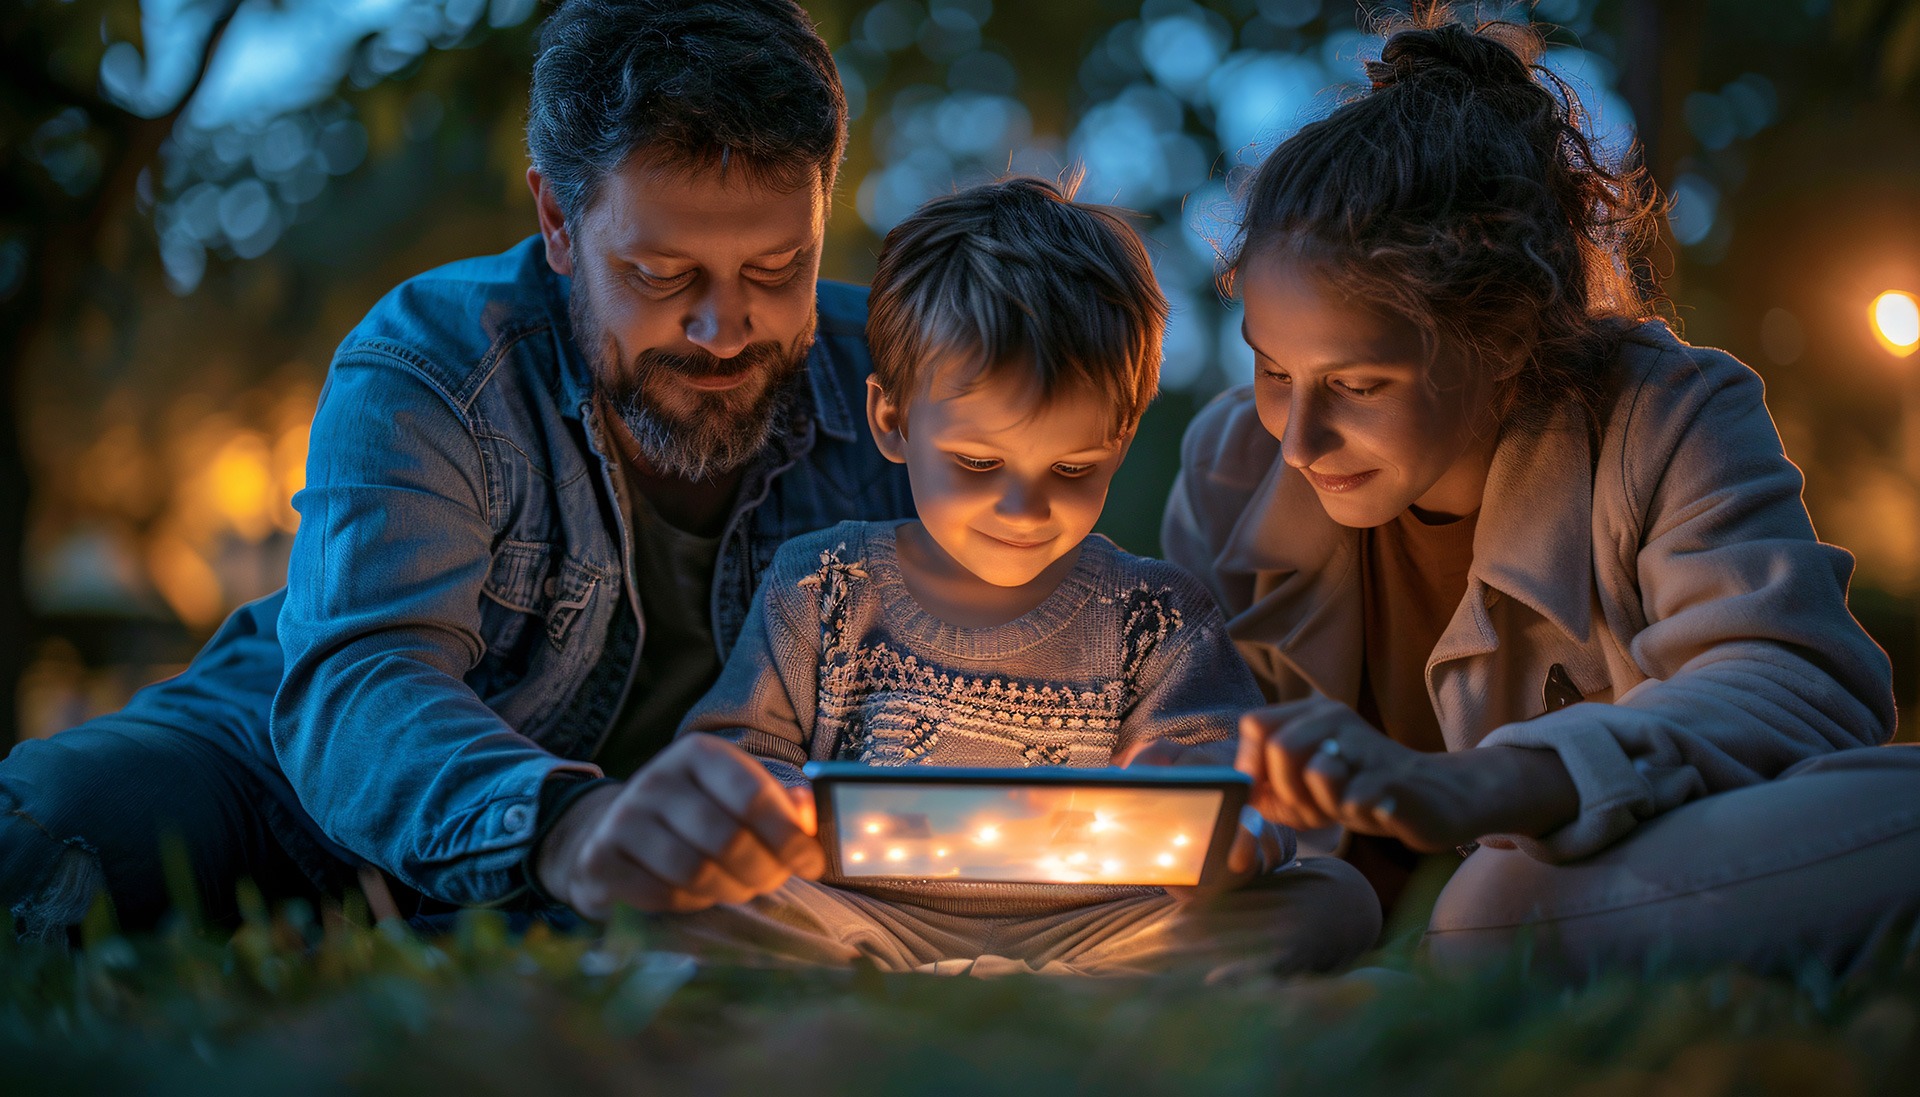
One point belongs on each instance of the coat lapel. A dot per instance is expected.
(1302, 569)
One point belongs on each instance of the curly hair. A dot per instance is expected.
(1460, 193)
(1017, 275)
(737, 84)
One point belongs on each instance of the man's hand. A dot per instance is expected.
(703, 823)
(1315, 763)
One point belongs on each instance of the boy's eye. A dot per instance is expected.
(1065, 469)
(1276, 376)
(1357, 390)
(977, 464)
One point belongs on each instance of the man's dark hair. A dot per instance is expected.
(739, 85)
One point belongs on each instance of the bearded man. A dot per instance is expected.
(541, 490)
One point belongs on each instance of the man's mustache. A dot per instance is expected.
(700, 363)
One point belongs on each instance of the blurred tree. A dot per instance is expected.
(65, 191)
(201, 196)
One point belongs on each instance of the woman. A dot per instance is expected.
(1521, 569)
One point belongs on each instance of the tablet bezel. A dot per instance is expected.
(1233, 786)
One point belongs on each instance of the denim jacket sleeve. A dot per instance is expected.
(389, 750)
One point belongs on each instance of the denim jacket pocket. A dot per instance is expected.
(571, 592)
(525, 589)
(516, 594)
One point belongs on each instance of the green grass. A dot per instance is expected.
(293, 1005)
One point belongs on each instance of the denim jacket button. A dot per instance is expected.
(516, 818)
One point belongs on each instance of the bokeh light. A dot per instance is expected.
(1896, 322)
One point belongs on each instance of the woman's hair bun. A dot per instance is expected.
(1451, 52)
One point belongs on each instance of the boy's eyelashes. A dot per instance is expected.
(988, 464)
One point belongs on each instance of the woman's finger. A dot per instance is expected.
(1291, 750)
(1325, 776)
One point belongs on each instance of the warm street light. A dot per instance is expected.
(1895, 316)
(1896, 322)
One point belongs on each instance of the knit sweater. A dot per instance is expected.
(839, 662)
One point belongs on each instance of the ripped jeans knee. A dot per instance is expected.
(47, 897)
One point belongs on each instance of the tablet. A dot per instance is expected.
(1165, 826)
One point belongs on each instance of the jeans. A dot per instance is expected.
(101, 805)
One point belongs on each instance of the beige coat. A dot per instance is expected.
(1674, 574)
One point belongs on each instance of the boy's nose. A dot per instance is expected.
(1023, 505)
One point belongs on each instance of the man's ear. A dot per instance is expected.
(553, 224)
(888, 422)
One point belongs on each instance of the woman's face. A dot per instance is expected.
(1358, 409)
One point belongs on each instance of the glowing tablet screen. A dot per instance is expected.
(1029, 833)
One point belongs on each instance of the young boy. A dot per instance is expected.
(1016, 341)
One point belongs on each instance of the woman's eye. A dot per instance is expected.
(1276, 376)
(1358, 390)
(977, 464)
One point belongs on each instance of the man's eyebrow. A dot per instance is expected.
(661, 252)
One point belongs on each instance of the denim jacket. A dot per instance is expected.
(459, 622)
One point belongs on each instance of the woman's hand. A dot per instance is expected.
(1315, 763)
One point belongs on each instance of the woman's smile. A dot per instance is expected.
(1334, 485)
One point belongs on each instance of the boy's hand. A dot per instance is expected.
(1315, 762)
(703, 823)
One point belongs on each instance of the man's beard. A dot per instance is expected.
(683, 432)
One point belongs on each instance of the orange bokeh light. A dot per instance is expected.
(1896, 322)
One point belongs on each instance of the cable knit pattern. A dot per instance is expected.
(839, 662)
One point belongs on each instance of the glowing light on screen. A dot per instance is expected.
(987, 834)
(873, 828)
(939, 853)
(1164, 860)
(858, 855)
(1110, 866)
(1896, 322)
(1179, 839)
(1101, 822)
(896, 854)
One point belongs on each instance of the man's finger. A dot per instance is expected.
(805, 809)
(736, 851)
(743, 787)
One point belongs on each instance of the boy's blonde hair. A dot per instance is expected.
(1016, 274)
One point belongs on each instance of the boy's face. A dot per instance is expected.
(1004, 484)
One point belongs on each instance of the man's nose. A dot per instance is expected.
(1309, 434)
(719, 322)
